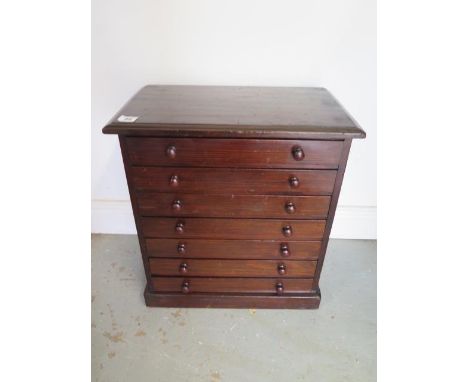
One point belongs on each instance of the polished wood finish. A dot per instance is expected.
(233, 181)
(245, 153)
(235, 112)
(232, 301)
(231, 285)
(231, 268)
(233, 249)
(333, 205)
(232, 228)
(233, 206)
(234, 191)
(133, 199)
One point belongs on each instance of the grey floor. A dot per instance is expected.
(133, 343)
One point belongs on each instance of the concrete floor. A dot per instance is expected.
(133, 343)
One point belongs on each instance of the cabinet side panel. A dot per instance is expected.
(332, 210)
(123, 148)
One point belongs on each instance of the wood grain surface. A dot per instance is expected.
(231, 285)
(233, 249)
(237, 153)
(232, 228)
(233, 206)
(233, 181)
(231, 268)
(233, 111)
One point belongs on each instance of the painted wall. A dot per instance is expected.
(207, 42)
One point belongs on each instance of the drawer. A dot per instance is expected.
(246, 153)
(234, 249)
(231, 268)
(232, 228)
(231, 285)
(233, 206)
(233, 181)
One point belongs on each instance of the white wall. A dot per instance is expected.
(328, 43)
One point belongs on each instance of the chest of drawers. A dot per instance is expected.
(233, 190)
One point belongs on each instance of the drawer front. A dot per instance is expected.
(231, 285)
(246, 153)
(233, 206)
(240, 249)
(231, 268)
(233, 181)
(232, 228)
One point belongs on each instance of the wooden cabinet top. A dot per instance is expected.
(234, 112)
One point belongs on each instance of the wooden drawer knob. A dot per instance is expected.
(179, 228)
(297, 153)
(171, 152)
(279, 288)
(287, 230)
(174, 181)
(290, 207)
(177, 205)
(281, 269)
(183, 268)
(181, 248)
(185, 287)
(284, 248)
(294, 181)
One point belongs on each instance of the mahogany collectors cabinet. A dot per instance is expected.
(234, 190)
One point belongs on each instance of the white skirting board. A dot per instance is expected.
(351, 222)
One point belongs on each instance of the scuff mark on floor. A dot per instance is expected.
(215, 376)
(111, 313)
(177, 313)
(162, 336)
(232, 327)
(117, 337)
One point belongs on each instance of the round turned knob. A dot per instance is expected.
(179, 228)
(279, 288)
(294, 181)
(177, 205)
(290, 207)
(171, 152)
(185, 287)
(287, 230)
(281, 269)
(284, 250)
(181, 248)
(183, 268)
(174, 181)
(297, 153)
